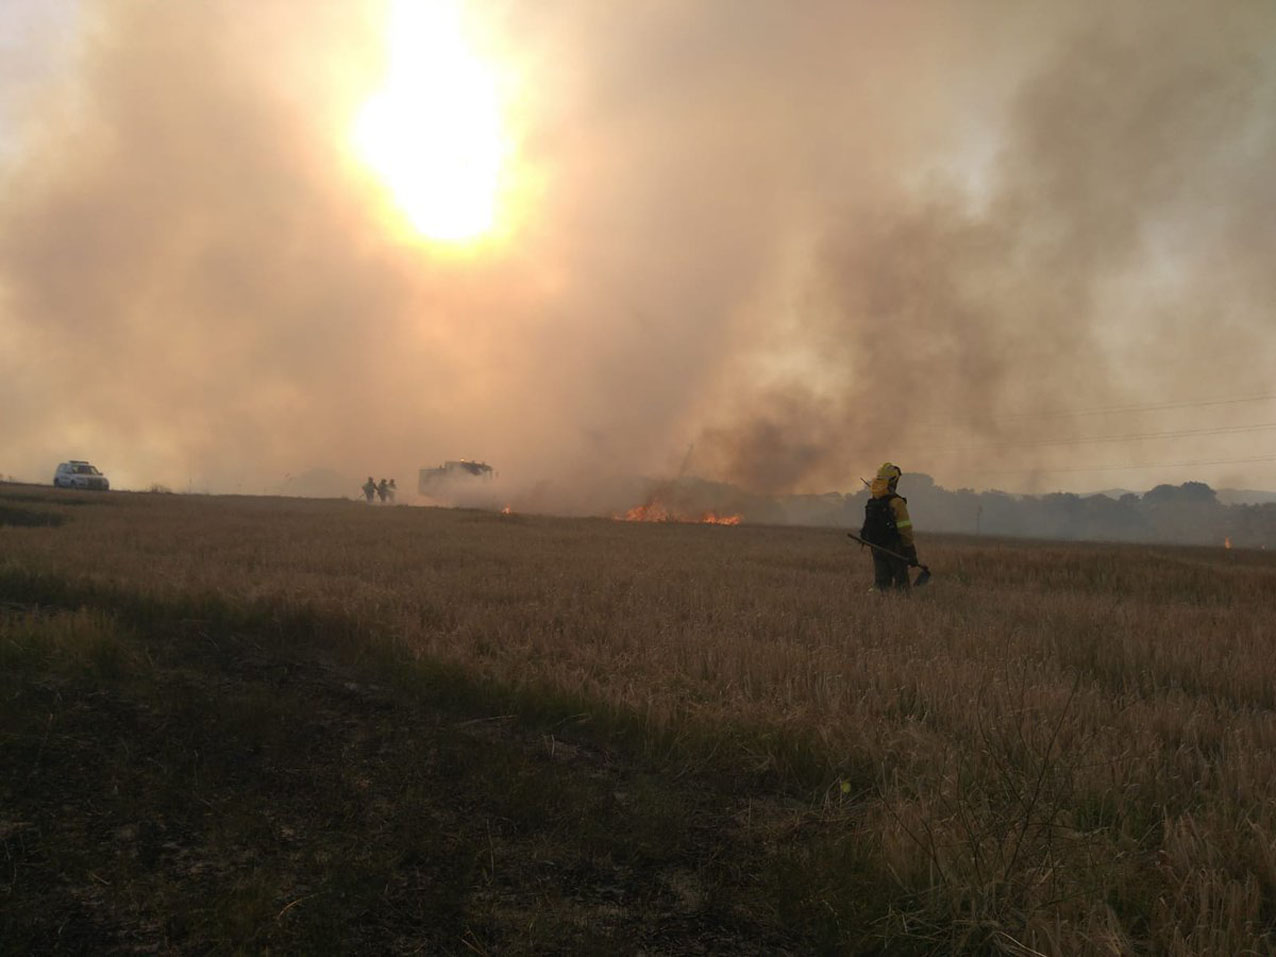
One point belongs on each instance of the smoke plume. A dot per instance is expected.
(796, 240)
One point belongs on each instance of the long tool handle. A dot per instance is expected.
(886, 551)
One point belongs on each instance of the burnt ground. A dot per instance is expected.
(175, 786)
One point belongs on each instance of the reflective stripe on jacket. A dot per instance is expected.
(904, 524)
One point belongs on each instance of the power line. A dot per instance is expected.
(1148, 408)
(1129, 437)
(1115, 409)
(1130, 468)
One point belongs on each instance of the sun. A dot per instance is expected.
(434, 133)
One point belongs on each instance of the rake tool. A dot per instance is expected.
(922, 578)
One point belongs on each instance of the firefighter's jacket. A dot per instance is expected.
(899, 509)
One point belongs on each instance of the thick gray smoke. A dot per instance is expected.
(801, 239)
(1107, 257)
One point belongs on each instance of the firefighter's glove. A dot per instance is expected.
(910, 552)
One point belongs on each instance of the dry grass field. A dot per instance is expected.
(246, 724)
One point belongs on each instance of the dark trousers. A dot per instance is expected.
(889, 572)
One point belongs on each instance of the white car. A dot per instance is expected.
(77, 474)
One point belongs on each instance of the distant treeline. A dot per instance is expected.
(1190, 513)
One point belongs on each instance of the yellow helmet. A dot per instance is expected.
(889, 472)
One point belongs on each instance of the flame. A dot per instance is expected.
(715, 519)
(1227, 542)
(653, 512)
(657, 512)
(507, 510)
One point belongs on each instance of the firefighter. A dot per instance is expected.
(886, 523)
(369, 489)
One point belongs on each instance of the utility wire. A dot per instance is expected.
(1115, 409)
(1129, 437)
(1147, 408)
(1127, 468)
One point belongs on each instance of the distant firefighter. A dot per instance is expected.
(369, 489)
(383, 489)
(886, 524)
(390, 490)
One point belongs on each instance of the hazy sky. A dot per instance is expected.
(804, 238)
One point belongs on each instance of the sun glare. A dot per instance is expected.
(433, 133)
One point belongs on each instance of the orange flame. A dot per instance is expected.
(1227, 542)
(506, 510)
(656, 512)
(652, 512)
(714, 519)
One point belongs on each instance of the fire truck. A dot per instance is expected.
(432, 481)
